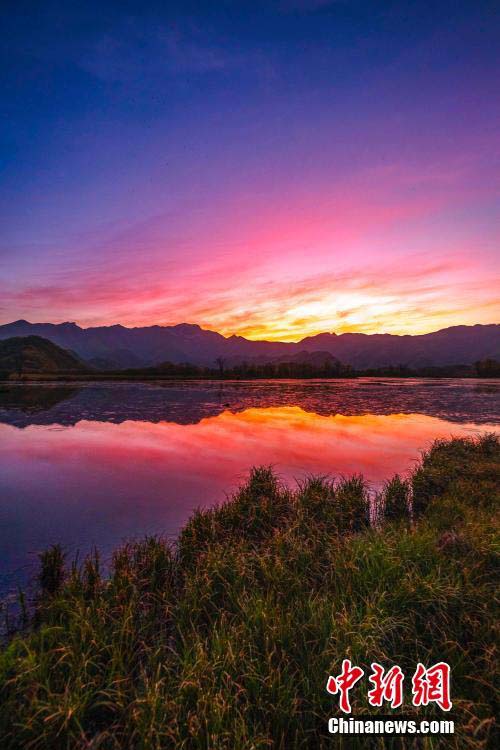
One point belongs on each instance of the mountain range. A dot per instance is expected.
(111, 347)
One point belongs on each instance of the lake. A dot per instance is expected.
(94, 464)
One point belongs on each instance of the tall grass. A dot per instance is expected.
(225, 640)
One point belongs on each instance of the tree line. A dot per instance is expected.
(487, 368)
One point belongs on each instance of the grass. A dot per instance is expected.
(225, 641)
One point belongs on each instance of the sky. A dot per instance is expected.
(272, 169)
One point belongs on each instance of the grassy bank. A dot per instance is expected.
(226, 640)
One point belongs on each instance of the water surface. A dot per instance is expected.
(94, 464)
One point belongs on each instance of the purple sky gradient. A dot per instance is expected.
(268, 169)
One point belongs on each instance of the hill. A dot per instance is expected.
(33, 355)
(114, 347)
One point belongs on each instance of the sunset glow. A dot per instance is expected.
(249, 372)
(269, 173)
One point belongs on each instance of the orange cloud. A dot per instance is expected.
(372, 253)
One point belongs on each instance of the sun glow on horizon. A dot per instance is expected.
(285, 182)
(368, 315)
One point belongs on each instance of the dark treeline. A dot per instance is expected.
(487, 368)
(246, 371)
(263, 371)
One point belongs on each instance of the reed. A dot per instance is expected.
(225, 640)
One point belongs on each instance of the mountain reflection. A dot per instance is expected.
(33, 398)
(186, 403)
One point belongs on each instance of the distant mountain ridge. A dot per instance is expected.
(108, 347)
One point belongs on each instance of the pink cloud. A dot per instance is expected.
(361, 254)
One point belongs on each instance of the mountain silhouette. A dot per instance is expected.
(109, 347)
(32, 354)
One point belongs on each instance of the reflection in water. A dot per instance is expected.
(32, 399)
(100, 463)
(189, 402)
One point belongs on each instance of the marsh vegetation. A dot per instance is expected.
(226, 639)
